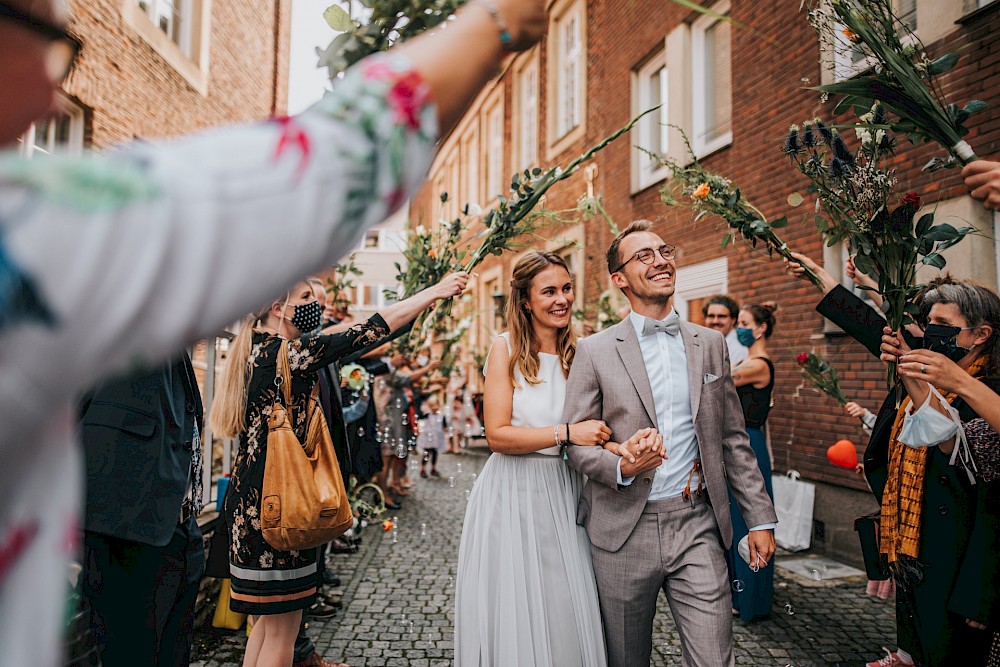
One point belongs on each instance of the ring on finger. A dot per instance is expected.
(923, 368)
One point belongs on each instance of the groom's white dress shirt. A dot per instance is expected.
(666, 367)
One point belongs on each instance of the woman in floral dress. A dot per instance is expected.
(273, 584)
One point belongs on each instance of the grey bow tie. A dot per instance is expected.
(671, 325)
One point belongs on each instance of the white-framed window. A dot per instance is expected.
(470, 165)
(174, 18)
(495, 175)
(850, 60)
(179, 31)
(390, 240)
(697, 281)
(373, 295)
(650, 89)
(567, 69)
(526, 104)
(62, 134)
(456, 198)
(711, 82)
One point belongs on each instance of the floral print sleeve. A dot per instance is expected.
(121, 258)
(313, 352)
(190, 219)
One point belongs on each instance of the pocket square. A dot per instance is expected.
(710, 378)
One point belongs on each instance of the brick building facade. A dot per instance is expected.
(735, 91)
(160, 68)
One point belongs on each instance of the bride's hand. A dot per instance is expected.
(637, 444)
(590, 432)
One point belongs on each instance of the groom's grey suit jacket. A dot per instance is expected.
(609, 381)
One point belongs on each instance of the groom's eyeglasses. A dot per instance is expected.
(648, 255)
(63, 47)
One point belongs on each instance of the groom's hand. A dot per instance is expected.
(761, 543)
(648, 455)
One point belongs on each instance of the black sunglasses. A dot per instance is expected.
(64, 47)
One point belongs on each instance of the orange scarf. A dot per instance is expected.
(902, 501)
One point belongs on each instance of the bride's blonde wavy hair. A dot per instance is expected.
(523, 345)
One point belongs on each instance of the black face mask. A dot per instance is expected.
(940, 338)
(307, 316)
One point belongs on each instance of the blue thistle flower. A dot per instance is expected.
(838, 169)
(824, 132)
(792, 144)
(841, 151)
(808, 136)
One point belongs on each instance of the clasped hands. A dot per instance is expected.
(642, 452)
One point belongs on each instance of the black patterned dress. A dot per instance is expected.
(264, 579)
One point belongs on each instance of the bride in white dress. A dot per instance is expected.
(525, 593)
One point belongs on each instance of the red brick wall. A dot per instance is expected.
(768, 95)
(132, 91)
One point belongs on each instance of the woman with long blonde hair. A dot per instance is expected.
(271, 584)
(525, 589)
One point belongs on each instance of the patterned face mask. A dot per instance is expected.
(941, 338)
(307, 316)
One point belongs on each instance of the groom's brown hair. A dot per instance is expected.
(614, 257)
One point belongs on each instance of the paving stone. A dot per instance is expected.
(832, 624)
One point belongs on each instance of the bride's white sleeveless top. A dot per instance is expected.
(541, 404)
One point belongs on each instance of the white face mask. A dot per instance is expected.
(926, 427)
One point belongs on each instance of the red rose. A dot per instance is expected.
(407, 98)
(802, 358)
(912, 198)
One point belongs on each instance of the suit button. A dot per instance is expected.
(190, 407)
(942, 510)
(647, 480)
(943, 479)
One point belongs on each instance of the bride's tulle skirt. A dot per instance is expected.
(524, 592)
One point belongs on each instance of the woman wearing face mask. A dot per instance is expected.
(754, 379)
(271, 584)
(939, 507)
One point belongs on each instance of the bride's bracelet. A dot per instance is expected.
(555, 434)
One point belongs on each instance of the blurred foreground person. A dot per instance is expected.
(107, 262)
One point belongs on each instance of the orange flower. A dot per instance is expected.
(387, 525)
(850, 35)
(702, 191)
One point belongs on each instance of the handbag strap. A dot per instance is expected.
(284, 376)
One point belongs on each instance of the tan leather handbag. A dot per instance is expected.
(304, 502)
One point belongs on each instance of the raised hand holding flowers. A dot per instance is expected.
(903, 77)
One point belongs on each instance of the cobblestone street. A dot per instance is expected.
(397, 600)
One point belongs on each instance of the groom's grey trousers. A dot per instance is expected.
(675, 547)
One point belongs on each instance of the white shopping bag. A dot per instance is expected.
(793, 503)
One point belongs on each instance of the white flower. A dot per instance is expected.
(266, 559)
(420, 230)
(603, 317)
(475, 209)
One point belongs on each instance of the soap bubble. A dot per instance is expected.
(361, 431)
(451, 482)
(458, 468)
(789, 610)
(738, 586)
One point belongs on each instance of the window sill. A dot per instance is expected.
(560, 144)
(979, 13)
(723, 142)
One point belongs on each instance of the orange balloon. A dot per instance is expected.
(843, 453)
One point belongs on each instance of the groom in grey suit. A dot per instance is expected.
(662, 522)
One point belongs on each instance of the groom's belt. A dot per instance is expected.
(666, 505)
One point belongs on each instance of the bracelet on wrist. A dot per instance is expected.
(568, 441)
(506, 39)
(555, 434)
